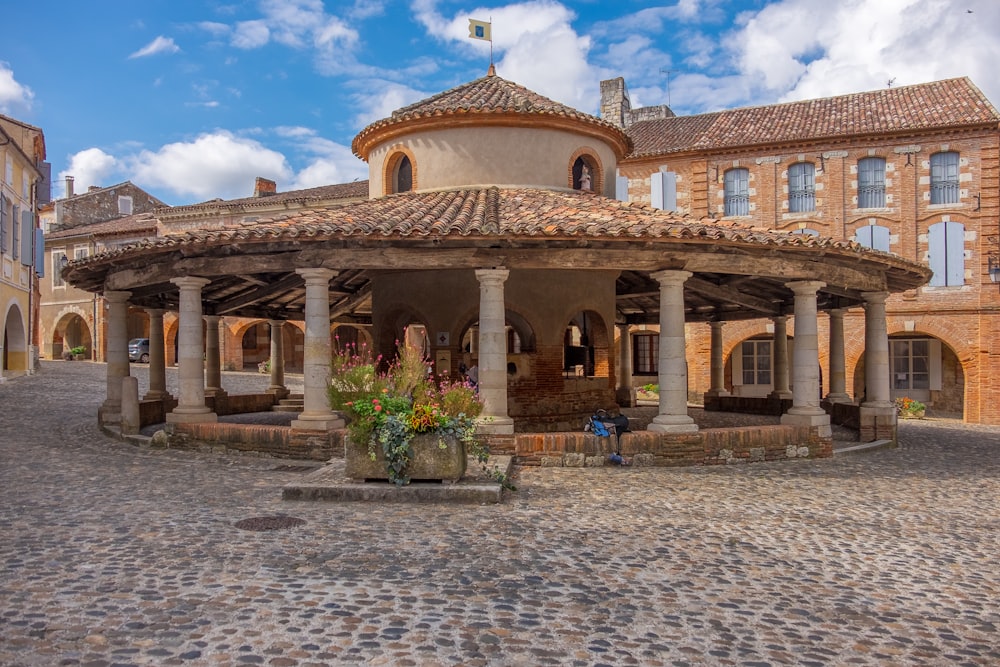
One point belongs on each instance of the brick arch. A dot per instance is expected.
(393, 156)
(854, 353)
(589, 156)
(391, 328)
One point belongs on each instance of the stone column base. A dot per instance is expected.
(672, 424)
(838, 398)
(820, 422)
(157, 396)
(279, 392)
(781, 395)
(330, 422)
(716, 393)
(625, 397)
(208, 417)
(494, 425)
(878, 423)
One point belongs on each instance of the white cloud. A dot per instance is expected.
(13, 95)
(250, 34)
(380, 98)
(159, 45)
(539, 47)
(217, 164)
(799, 49)
(215, 28)
(91, 167)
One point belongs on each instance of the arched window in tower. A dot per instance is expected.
(584, 175)
(403, 176)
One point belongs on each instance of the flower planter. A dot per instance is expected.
(916, 414)
(430, 461)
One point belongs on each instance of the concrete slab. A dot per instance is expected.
(862, 448)
(331, 484)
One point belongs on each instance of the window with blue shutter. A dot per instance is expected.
(15, 232)
(737, 192)
(27, 237)
(871, 182)
(944, 178)
(621, 188)
(946, 253)
(802, 187)
(875, 237)
(3, 223)
(663, 190)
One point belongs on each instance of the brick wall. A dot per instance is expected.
(648, 448)
(964, 318)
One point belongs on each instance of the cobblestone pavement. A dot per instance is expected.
(112, 554)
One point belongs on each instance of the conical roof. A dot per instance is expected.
(490, 99)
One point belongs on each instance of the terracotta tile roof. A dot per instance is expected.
(953, 102)
(355, 189)
(521, 213)
(490, 95)
(140, 223)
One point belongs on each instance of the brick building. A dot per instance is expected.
(911, 171)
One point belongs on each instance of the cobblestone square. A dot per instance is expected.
(113, 554)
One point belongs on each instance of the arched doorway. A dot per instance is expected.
(14, 341)
(71, 331)
(924, 368)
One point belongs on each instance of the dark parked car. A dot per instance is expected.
(138, 350)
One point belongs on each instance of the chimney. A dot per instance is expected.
(264, 187)
(615, 105)
(69, 187)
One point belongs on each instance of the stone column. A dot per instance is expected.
(157, 357)
(117, 359)
(877, 385)
(190, 357)
(277, 361)
(625, 394)
(672, 368)
(838, 366)
(780, 343)
(718, 364)
(806, 410)
(493, 352)
(213, 357)
(878, 412)
(316, 414)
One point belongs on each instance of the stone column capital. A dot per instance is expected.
(874, 297)
(316, 275)
(670, 277)
(805, 287)
(837, 313)
(213, 319)
(276, 323)
(190, 282)
(495, 276)
(117, 296)
(716, 325)
(779, 319)
(155, 312)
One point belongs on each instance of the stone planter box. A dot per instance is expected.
(918, 414)
(430, 461)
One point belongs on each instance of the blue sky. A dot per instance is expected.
(193, 100)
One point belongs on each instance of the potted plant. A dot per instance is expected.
(78, 353)
(908, 408)
(403, 423)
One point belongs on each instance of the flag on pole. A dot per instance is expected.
(480, 30)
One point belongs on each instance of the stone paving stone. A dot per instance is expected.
(115, 554)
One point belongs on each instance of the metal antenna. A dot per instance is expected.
(668, 72)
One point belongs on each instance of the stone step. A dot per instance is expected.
(287, 408)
